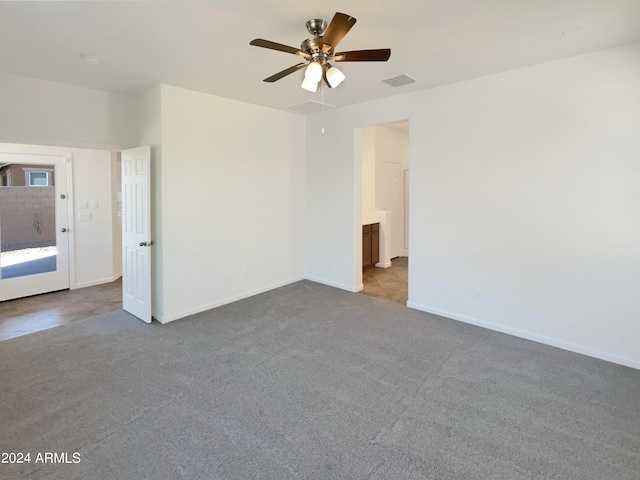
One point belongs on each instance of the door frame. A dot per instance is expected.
(357, 164)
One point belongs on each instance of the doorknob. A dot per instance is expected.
(63, 229)
(143, 244)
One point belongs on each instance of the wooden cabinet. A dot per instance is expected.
(370, 244)
(366, 246)
(375, 243)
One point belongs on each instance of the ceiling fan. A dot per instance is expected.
(320, 49)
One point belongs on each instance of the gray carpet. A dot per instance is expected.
(307, 381)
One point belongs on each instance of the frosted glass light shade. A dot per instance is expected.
(313, 73)
(310, 86)
(335, 77)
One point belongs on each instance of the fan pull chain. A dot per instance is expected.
(322, 106)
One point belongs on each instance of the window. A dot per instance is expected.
(38, 176)
(38, 179)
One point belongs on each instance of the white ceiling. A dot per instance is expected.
(204, 46)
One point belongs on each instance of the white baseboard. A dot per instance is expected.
(348, 288)
(516, 332)
(93, 283)
(224, 301)
(383, 264)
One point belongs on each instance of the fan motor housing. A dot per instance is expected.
(311, 45)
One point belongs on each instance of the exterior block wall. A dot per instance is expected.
(19, 207)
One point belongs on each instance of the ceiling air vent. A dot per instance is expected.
(310, 106)
(400, 80)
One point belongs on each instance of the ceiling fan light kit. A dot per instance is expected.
(335, 77)
(320, 49)
(313, 73)
(310, 86)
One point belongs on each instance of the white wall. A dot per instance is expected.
(116, 220)
(93, 240)
(368, 170)
(93, 258)
(232, 198)
(47, 113)
(524, 186)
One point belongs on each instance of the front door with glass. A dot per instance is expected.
(34, 225)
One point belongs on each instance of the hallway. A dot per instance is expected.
(388, 283)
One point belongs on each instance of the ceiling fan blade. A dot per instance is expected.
(380, 55)
(259, 42)
(284, 73)
(337, 29)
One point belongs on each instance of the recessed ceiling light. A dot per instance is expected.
(92, 59)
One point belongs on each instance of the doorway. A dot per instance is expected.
(390, 283)
(90, 182)
(384, 151)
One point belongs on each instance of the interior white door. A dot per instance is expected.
(34, 225)
(136, 232)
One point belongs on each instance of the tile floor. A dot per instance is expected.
(388, 283)
(31, 314)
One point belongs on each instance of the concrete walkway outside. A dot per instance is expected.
(31, 267)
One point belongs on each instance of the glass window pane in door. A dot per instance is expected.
(27, 225)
